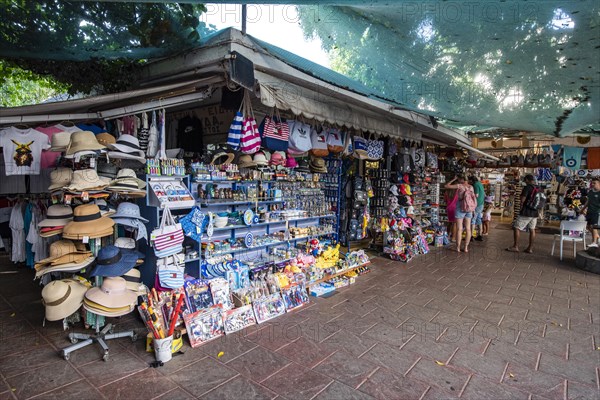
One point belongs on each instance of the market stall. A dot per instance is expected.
(209, 205)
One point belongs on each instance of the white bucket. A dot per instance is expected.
(162, 349)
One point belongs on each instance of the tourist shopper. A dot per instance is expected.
(451, 200)
(477, 221)
(463, 213)
(527, 218)
(487, 215)
(592, 210)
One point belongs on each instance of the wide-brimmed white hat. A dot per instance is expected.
(62, 298)
(57, 215)
(127, 147)
(111, 299)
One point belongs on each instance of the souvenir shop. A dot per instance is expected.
(209, 211)
(563, 169)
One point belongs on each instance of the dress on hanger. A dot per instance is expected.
(17, 227)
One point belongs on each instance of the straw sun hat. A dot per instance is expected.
(112, 299)
(83, 141)
(62, 298)
(88, 222)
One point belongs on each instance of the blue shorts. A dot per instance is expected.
(478, 215)
(460, 215)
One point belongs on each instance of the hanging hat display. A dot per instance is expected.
(62, 298)
(86, 179)
(105, 209)
(57, 216)
(105, 139)
(64, 257)
(245, 161)
(133, 281)
(60, 141)
(112, 299)
(111, 261)
(317, 164)
(60, 178)
(83, 141)
(88, 222)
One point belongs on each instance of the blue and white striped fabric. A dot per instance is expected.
(235, 131)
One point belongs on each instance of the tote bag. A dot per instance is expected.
(335, 141)
(250, 139)
(319, 143)
(170, 271)
(300, 139)
(235, 131)
(360, 148)
(275, 132)
(167, 239)
(374, 149)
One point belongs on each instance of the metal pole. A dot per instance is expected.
(244, 19)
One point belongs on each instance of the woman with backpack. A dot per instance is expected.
(465, 206)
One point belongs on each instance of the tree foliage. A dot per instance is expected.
(21, 87)
(94, 46)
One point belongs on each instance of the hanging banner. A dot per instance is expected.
(572, 157)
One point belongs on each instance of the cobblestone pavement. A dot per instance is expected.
(484, 325)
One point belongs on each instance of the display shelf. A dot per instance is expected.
(238, 203)
(282, 221)
(262, 246)
(328, 277)
(189, 260)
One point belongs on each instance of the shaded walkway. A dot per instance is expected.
(483, 325)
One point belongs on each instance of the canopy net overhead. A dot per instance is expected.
(522, 65)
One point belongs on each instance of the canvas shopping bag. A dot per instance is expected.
(319, 143)
(360, 148)
(275, 132)
(374, 149)
(250, 136)
(235, 129)
(335, 140)
(167, 239)
(170, 271)
(300, 139)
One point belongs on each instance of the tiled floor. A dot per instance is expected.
(484, 325)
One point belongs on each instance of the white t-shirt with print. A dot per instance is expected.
(23, 150)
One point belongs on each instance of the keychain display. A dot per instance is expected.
(204, 325)
(268, 307)
(238, 319)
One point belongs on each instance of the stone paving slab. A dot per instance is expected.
(484, 325)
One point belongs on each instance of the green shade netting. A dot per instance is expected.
(524, 65)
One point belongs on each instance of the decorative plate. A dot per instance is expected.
(248, 217)
(249, 239)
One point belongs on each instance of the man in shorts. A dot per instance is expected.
(527, 217)
(592, 211)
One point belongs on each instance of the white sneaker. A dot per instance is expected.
(593, 245)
